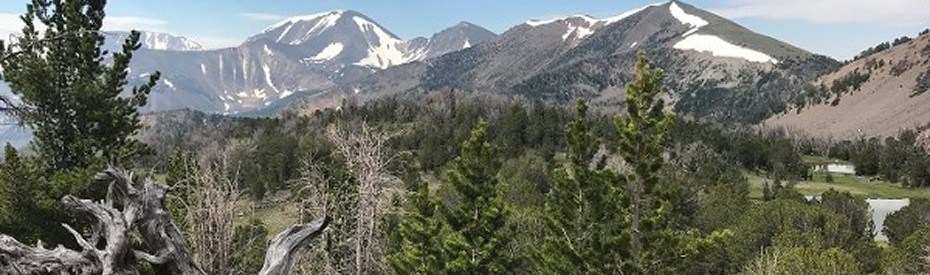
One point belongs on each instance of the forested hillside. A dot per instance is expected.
(454, 182)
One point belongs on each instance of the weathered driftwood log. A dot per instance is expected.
(143, 205)
(142, 209)
(288, 244)
(116, 257)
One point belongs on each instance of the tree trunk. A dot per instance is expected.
(144, 211)
(280, 256)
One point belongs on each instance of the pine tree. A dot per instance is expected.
(583, 219)
(643, 135)
(71, 98)
(420, 247)
(70, 93)
(477, 241)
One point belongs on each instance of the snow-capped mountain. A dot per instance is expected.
(299, 54)
(346, 37)
(152, 41)
(349, 37)
(714, 68)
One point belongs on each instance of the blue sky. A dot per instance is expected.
(837, 28)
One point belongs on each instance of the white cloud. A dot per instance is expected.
(892, 12)
(10, 24)
(125, 23)
(263, 17)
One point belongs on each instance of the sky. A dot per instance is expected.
(836, 28)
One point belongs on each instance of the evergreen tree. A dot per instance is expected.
(643, 135)
(582, 216)
(75, 99)
(478, 220)
(420, 248)
(70, 93)
(249, 245)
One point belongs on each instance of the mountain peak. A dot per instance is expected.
(152, 41)
(333, 14)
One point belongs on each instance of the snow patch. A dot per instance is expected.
(687, 19)
(540, 22)
(467, 44)
(169, 84)
(267, 50)
(612, 19)
(267, 70)
(384, 51)
(579, 31)
(259, 93)
(322, 21)
(309, 17)
(719, 47)
(633, 45)
(286, 93)
(203, 69)
(328, 53)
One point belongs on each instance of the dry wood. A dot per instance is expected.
(109, 250)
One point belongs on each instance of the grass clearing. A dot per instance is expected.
(855, 185)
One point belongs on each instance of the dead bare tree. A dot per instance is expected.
(367, 155)
(357, 242)
(209, 212)
(109, 248)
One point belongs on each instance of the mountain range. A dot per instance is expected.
(305, 54)
(714, 68)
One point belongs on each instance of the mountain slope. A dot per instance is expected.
(714, 68)
(879, 95)
(461, 36)
(151, 40)
(299, 54)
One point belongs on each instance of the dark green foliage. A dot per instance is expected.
(643, 136)
(901, 224)
(30, 208)
(806, 260)
(911, 255)
(71, 94)
(478, 220)
(249, 245)
(419, 236)
(870, 51)
(724, 203)
(901, 40)
(524, 182)
(583, 220)
(923, 83)
(787, 223)
(849, 82)
(178, 170)
(897, 159)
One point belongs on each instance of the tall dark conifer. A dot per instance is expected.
(643, 136)
(478, 220)
(74, 97)
(583, 217)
